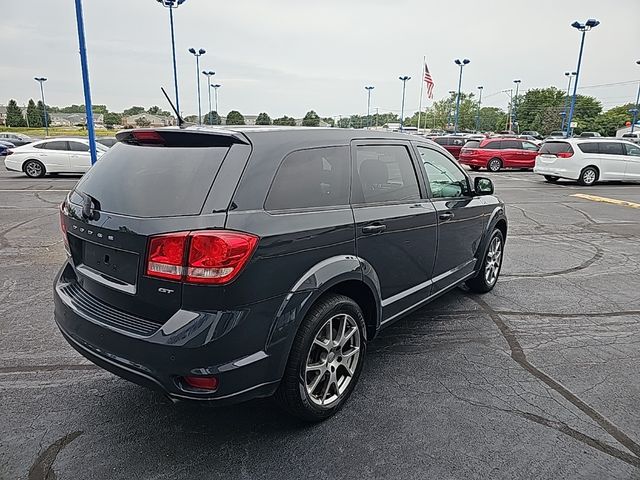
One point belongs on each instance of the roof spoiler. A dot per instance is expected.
(180, 137)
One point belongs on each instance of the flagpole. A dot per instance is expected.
(424, 62)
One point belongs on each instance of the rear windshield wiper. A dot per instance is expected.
(89, 206)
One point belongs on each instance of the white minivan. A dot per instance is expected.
(589, 161)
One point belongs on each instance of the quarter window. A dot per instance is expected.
(385, 173)
(529, 146)
(79, 147)
(611, 148)
(445, 179)
(56, 145)
(317, 177)
(632, 150)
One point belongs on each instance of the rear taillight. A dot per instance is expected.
(564, 154)
(63, 228)
(8, 152)
(211, 257)
(148, 137)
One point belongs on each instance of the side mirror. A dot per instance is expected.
(483, 186)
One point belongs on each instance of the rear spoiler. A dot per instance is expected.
(180, 137)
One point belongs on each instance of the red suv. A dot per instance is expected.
(452, 144)
(497, 153)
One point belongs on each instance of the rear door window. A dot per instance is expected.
(78, 147)
(55, 145)
(317, 177)
(441, 141)
(553, 148)
(495, 145)
(633, 150)
(147, 181)
(512, 144)
(384, 173)
(589, 147)
(611, 148)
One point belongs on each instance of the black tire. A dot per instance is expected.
(292, 394)
(588, 176)
(494, 165)
(475, 168)
(480, 283)
(551, 178)
(34, 169)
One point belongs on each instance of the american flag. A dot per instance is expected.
(429, 81)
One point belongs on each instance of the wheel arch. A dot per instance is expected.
(497, 219)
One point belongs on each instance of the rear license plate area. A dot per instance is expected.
(116, 264)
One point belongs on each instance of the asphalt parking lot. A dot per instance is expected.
(537, 379)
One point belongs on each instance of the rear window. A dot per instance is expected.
(146, 181)
(472, 144)
(554, 148)
(317, 177)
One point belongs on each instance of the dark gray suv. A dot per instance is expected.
(222, 265)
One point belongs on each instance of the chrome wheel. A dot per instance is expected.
(589, 176)
(494, 164)
(492, 263)
(332, 359)
(33, 169)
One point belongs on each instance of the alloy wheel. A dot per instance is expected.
(589, 176)
(332, 359)
(492, 264)
(495, 164)
(33, 169)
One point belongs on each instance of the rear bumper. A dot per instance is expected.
(159, 360)
(9, 164)
(555, 171)
(471, 161)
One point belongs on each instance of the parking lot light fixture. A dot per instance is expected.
(171, 4)
(515, 105)
(461, 64)
(198, 54)
(368, 88)
(584, 28)
(41, 81)
(635, 113)
(215, 90)
(404, 80)
(570, 75)
(209, 74)
(480, 88)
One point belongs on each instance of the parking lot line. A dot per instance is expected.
(28, 190)
(614, 201)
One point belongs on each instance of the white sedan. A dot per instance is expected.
(55, 155)
(589, 160)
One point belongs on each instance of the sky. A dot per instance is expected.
(291, 56)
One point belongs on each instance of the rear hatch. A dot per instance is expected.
(151, 182)
(550, 151)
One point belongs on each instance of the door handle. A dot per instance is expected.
(370, 229)
(446, 216)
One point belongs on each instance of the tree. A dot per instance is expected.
(329, 121)
(215, 118)
(156, 110)
(73, 109)
(133, 111)
(41, 112)
(111, 119)
(234, 117)
(191, 119)
(609, 122)
(14, 115)
(34, 118)
(263, 119)
(444, 111)
(311, 119)
(285, 121)
(344, 122)
(492, 119)
(142, 122)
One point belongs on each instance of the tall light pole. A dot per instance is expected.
(584, 28)
(404, 80)
(635, 110)
(198, 54)
(209, 74)
(171, 4)
(515, 104)
(460, 64)
(41, 80)
(570, 76)
(368, 88)
(215, 90)
(480, 88)
(450, 103)
(84, 65)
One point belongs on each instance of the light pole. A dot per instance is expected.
(209, 74)
(450, 103)
(84, 65)
(635, 110)
(368, 88)
(480, 88)
(171, 4)
(404, 87)
(460, 64)
(41, 80)
(198, 54)
(515, 105)
(570, 75)
(215, 91)
(584, 28)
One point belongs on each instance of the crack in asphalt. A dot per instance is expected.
(42, 468)
(586, 264)
(47, 368)
(3, 240)
(518, 355)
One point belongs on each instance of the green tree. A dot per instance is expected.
(156, 110)
(41, 112)
(311, 119)
(142, 122)
(492, 119)
(191, 119)
(285, 121)
(234, 117)
(111, 119)
(73, 109)
(34, 118)
(132, 111)
(215, 118)
(329, 121)
(14, 115)
(263, 119)
(609, 122)
(444, 111)
(344, 122)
